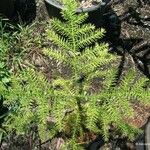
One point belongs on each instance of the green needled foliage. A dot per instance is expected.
(93, 111)
(68, 105)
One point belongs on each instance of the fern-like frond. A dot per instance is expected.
(79, 19)
(127, 129)
(59, 41)
(128, 80)
(55, 54)
(60, 27)
(89, 38)
(92, 115)
(110, 78)
(92, 58)
(29, 95)
(84, 29)
(69, 10)
(139, 91)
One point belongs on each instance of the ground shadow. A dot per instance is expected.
(25, 11)
(137, 48)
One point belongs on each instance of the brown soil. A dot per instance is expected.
(141, 115)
